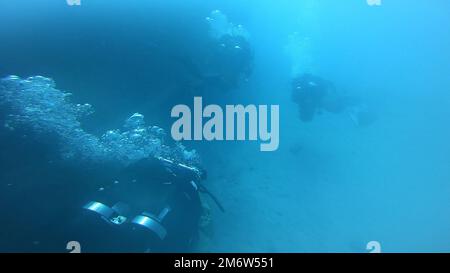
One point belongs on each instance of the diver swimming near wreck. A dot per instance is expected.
(230, 56)
(160, 211)
(314, 95)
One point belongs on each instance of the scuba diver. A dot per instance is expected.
(234, 60)
(158, 210)
(230, 54)
(225, 64)
(228, 62)
(315, 95)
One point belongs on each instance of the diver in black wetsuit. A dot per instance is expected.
(158, 210)
(308, 92)
(235, 59)
(227, 62)
(314, 95)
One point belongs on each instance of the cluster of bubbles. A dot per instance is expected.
(219, 26)
(34, 103)
(299, 49)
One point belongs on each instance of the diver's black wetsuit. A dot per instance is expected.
(314, 94)
(308, 92)
(231, 59)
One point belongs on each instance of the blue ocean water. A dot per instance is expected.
(331, 186)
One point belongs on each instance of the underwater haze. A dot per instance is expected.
(335, 183)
